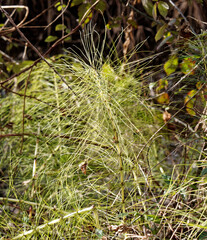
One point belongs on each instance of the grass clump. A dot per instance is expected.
(75, 162)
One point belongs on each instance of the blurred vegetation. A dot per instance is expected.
(103, 119)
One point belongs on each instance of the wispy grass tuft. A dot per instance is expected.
(71, 170)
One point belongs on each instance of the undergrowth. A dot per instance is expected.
(84, 158)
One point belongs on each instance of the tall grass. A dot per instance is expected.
(71, 169)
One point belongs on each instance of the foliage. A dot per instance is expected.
(85, 153)
(90, 144)
(82, 140)
(185, 61)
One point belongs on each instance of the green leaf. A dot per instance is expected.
(76, 2)
(51, 38)
(67, 30)
(57, 4)
(198, 85)
(9, 67)
(187, 65)
(101, 6)
(171, 65)
(165, 40)
(163, 8)
(190, 107)
(204, 172)
(148, 6)
(108, 26)
(190, 101)
(61, 7)
(154, 11)
(60, 27)
(132, 23)
(9, 47)
(191, 94)
(114, 23)
(163, 98)
(160, 32)
(163, 83)
(81, 11)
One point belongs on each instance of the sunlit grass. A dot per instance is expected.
(79, 153)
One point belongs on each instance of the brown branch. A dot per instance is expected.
(54, 45)
(28, 96)
(3, 32)
(35, 49)
(7, 57)
(173, 116)
(74, 29)
(24, 70)
(37, 16)
(58, 16)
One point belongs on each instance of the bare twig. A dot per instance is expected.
(54, 45)
(73, 30)
(40, 14)
(187, 126)
(58, 16)
(35, 49)
(8, 57)
(152, 137)
(187, 74)
(18, 25)
(28, 96)
(185, 19)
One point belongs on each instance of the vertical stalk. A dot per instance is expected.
(116, 140)
(117, 144)
(58, 109)
(23, 110)
(103, 95)
(34, 176)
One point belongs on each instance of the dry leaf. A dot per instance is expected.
(166, 116)
(163, 98)
(83, 167)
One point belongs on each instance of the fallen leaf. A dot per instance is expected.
(163, 98)
(83, 167)
(166, 116)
